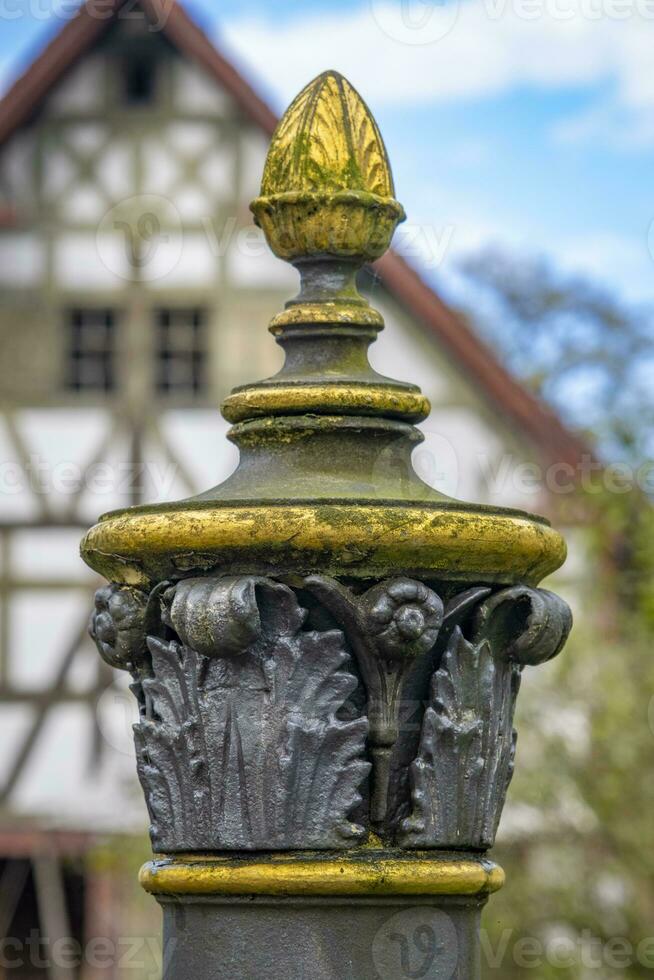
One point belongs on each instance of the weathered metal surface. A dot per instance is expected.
(366, 541)
(343, 938)
(465, 759)
(325, 481)
(326, 652)
(254, 724)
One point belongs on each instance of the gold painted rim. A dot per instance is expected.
(354, 538)
(367, 876)
(267, 203)
(411, 406)
(327, 312)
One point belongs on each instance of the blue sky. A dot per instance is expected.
(522, 123)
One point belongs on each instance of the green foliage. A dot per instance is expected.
(578, 839)
(578, 845)
(574, 344)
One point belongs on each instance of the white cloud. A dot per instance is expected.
(490, 47)
(610, 258)
(620, 262)
(608, 124)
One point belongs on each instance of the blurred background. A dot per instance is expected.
(135, 293)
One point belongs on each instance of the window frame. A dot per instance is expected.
(193, 354)
(139, 59)
(103, 351)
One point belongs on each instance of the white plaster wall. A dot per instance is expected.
(83, 88)
(397, 355)
(42, 626)
(254, 150)
(160, 167)
(182, 259)
(82, 204)
(59, 175)
(60, 444)
(86, 262)
(87, 138)
(252, 265)
(469, 452)
(16, 502)
(107, 487)
(17, 168)
(218, 173)
(193, 204)
(58, 785)
(163, 171)
(198, 94)
(198, 439)
(38, 555)
(189, 139)
(22, 259)
(115, 169)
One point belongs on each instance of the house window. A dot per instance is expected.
(139, 80)
(91, 350)
(180, 350)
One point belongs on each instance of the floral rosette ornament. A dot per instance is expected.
(117, 626)
(404, 618)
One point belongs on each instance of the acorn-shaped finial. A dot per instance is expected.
(327, 187)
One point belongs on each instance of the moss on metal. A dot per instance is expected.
(325, 482)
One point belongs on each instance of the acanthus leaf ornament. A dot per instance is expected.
(467, 745)
(227, 661)
(247, 739)
(465, 761)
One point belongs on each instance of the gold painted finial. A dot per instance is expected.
(328, 141)
(327, 186)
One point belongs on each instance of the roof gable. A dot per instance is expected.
(512, 400)
(88, 25)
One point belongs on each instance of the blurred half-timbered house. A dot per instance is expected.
(134, 294)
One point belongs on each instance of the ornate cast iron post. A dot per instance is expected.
(325, 651)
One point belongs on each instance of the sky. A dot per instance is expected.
(521, 124)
